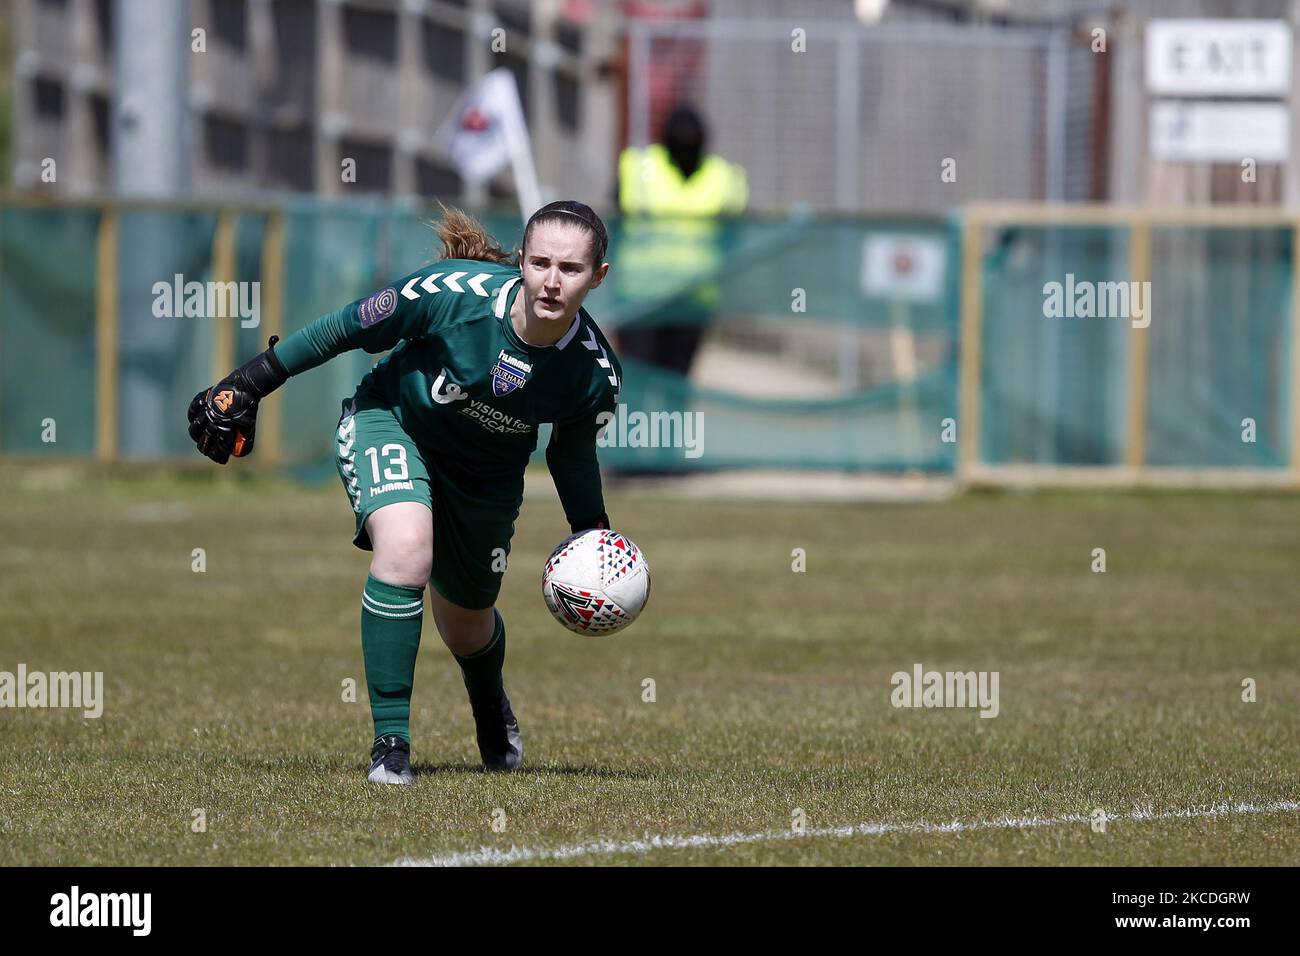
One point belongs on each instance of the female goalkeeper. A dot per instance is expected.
(433, 444)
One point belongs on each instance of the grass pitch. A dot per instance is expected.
(1119, 691)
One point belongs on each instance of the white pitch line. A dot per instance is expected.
(490, 856)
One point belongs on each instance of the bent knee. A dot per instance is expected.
(405, 558)
(405, 575)
(407, 567)
(403, 545)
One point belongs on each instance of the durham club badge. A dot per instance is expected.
(509, 374)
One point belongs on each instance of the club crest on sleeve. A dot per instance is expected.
(508, 374)
(378, 307)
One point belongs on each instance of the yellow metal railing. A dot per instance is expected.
(106, 338)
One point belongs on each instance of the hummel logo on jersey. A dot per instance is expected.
(509, 374)
(451, 283)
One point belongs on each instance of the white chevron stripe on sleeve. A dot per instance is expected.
(591, 343)
(476, 284)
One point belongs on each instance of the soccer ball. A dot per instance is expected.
(596, 582)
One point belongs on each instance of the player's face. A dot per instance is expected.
(558, 272)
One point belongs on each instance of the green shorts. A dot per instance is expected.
(380, 464)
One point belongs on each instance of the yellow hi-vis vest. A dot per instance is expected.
(670, 233)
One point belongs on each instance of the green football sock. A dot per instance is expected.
(391, 616)
(482, 669)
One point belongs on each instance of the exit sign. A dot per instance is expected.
(1219, 57)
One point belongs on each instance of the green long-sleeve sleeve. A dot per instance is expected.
(375, 323)
(571, 458)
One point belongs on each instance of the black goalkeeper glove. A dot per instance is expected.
(223, 418)
(600, 521)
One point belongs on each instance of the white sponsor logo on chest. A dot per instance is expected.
(453, 393)
(495, 420)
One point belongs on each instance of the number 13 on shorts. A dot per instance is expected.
(395, 462)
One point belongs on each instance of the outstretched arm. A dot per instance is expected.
(223, 418)
(376, 323)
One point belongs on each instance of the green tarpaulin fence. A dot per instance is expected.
(827, 343)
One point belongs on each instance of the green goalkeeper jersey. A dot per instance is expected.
(466, 388)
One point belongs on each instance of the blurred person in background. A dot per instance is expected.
(671, 194)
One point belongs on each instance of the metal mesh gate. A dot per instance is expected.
(862, 119)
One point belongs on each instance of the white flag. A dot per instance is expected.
(485, 132)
